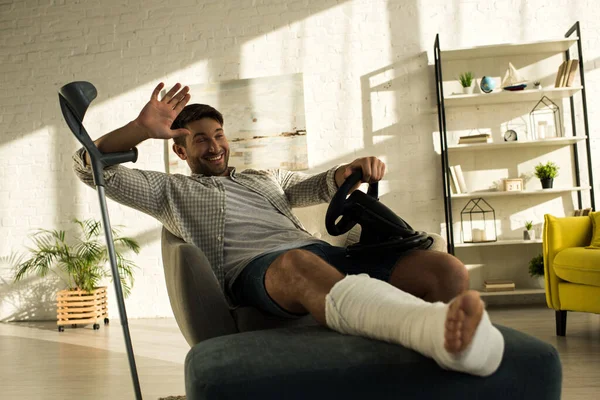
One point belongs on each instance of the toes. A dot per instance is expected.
(453, 346)
(454, 325)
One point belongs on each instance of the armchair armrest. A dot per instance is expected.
(559, 234)
(194, 291)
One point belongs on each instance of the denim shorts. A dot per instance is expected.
(249, 289)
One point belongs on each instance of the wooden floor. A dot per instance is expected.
(38, 362)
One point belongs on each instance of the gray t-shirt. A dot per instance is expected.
(253, 226)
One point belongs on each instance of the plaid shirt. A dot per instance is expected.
(193, 207)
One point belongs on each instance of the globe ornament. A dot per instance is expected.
(487, 84)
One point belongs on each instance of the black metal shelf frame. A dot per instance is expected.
(444, 143)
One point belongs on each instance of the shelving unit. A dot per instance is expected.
(560, 141)
(498, 193)
(499, 243)
(502, 97)
(516, 292)
(549, 48)
(510, 49)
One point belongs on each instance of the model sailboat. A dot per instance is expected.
(512, 79)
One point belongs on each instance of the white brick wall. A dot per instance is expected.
(343, 48)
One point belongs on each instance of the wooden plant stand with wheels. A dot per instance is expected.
(77, 307)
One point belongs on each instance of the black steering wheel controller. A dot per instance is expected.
(382, 230)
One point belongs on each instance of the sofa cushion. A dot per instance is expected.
(578, 265)
(317, 363)
(595, 217)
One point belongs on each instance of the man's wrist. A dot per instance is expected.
(339, 175)
(140, 131)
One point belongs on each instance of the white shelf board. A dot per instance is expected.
(515, 292)
(508, 49)
(559, 141)
(498, 243)
(497, 193)
(505, 96)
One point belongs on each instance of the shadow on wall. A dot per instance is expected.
(32, 299)
(398, 116)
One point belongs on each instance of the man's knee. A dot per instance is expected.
(453, 274)
(292, 266)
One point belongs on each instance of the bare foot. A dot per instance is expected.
(462, 319)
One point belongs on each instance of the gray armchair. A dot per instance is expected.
(197, 300)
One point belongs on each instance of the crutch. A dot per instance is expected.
(75, 98)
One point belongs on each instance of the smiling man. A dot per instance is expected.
(205, 149)
(263, 256)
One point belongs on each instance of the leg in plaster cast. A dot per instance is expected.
(458, 336)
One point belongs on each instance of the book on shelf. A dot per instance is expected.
(559, 74)
(566, 73)
(498, 285)
(453, 184)
(460, 178)
(481, 138)
(454, 180)
(572, 72)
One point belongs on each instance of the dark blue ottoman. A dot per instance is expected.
(317, 363)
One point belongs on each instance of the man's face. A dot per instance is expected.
(207, 149)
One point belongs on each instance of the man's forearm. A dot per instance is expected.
(122, 139)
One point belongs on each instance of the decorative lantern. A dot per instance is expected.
(546, 120)
(478, 222)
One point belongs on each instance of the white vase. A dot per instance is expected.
(541, 282)
(529, 235)
(468, 90)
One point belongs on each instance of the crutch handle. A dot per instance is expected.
(75, 98)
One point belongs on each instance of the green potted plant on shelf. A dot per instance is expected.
(546, 173)
(81, 263)
(466, 81)
(536, 269)
(528, 233)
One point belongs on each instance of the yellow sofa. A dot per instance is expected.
(572, 271)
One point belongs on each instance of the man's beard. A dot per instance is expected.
(204, 167)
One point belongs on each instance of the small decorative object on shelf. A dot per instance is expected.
(538, 85)
(512, 80)
(536, 269)
(546, 173)
(466, 81)
(513, 185)
(546, 120)
(529, 233)
(510, 136)
(478, 222)
(516, 129)
(487, 84)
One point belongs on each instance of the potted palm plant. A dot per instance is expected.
(466, 81)
(546, 173)
(536, 269)
(81, 263)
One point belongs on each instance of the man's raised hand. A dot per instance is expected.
(157, 116)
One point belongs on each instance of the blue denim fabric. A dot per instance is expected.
(249, 287)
